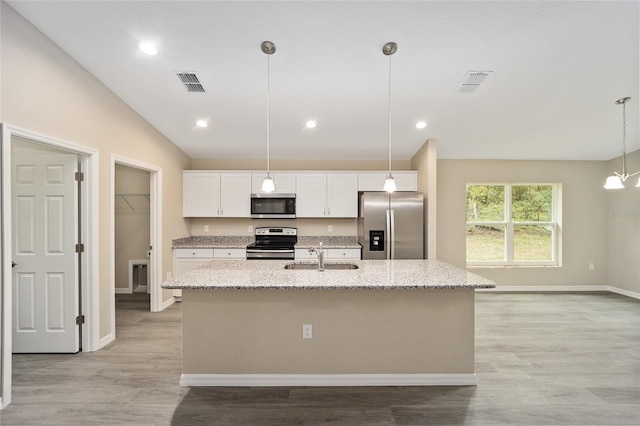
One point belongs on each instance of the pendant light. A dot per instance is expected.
(389, 49)
(616, 180)
(269, 49)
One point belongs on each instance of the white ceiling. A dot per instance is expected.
(558, 67)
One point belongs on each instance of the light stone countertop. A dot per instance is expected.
(212, 241)
(304, 242)
(371, 274)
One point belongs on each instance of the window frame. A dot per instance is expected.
(509, 225)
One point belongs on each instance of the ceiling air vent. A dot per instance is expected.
(471, 81)
(190, 81)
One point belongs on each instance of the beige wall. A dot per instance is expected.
(584, 226)
(45, 91)
(354, 331)
(132, 220)
(622, 217)
(425, 162)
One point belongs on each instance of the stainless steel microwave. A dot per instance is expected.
(273, 205)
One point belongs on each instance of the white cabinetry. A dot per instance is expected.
(215, 194)
(185, 260)
(350, 254)
(326, 195)
(284, 182)
(329, 253)
(374, 181)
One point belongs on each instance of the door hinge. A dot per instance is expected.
(80, 248)
(79, 176)
(80, 319)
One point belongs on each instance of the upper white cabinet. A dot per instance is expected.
(215, 194)
(326, 195)
(374, 181)
(284, 182)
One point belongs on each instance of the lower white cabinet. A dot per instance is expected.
(351, 254)
(185, 260)
(330, 254)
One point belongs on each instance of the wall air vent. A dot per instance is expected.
(471, 81)
(190, 81)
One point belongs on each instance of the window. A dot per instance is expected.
(512, 224)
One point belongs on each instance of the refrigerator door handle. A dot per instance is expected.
(393, 234)
(389, 238)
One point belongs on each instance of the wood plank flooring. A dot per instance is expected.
(540, 359)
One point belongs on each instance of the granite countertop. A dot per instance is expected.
(211, 241)
(371, 274)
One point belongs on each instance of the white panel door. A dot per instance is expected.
(311, 195)
(342, 195)
(201, 194)
(235, 194)
(45, 275)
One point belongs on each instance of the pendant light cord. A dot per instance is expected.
(389, 107)
(268, 111)
(624, 138)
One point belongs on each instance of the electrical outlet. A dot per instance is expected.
(250, 229)
(330, 228)
(307, 331)
(169, 275)
(206, 228)
(592, 266)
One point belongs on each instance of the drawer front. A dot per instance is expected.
(352, 254)
(193, 253)
(304, 254)
(235, 253)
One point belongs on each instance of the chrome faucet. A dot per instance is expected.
(320, 254)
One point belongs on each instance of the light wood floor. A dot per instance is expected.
(541, 359)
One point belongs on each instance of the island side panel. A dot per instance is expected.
(354, 331)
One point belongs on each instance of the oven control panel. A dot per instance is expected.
(266, 230)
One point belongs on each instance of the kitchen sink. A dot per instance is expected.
(309, 266)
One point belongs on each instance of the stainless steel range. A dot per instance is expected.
(273, 242)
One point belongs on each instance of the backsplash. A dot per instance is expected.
(240, 226)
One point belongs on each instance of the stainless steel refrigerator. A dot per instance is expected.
(391, 225)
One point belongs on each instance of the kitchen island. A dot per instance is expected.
(398, 322)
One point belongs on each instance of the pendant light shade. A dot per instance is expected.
(613, 182)
(268, 185)
(616, 180)
(389, 49)
(269, 49)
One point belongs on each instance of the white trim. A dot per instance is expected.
(558, 288)
(622, 291)
(106, 340)
(328, 380)
(169, 302)
(155, 236)
(90, 278)
(543, 288)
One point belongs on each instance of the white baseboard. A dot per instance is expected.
(555, 288)
(167, 303)
(123, 290)
(624, 292)
(106, 340)
(245, 380)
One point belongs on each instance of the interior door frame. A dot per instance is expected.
(155, 234)
(89, 276)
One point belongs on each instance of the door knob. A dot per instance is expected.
(13, 264)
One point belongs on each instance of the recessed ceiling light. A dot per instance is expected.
(311, 124)
(421, 124)
(148, 48)
(202, 123)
